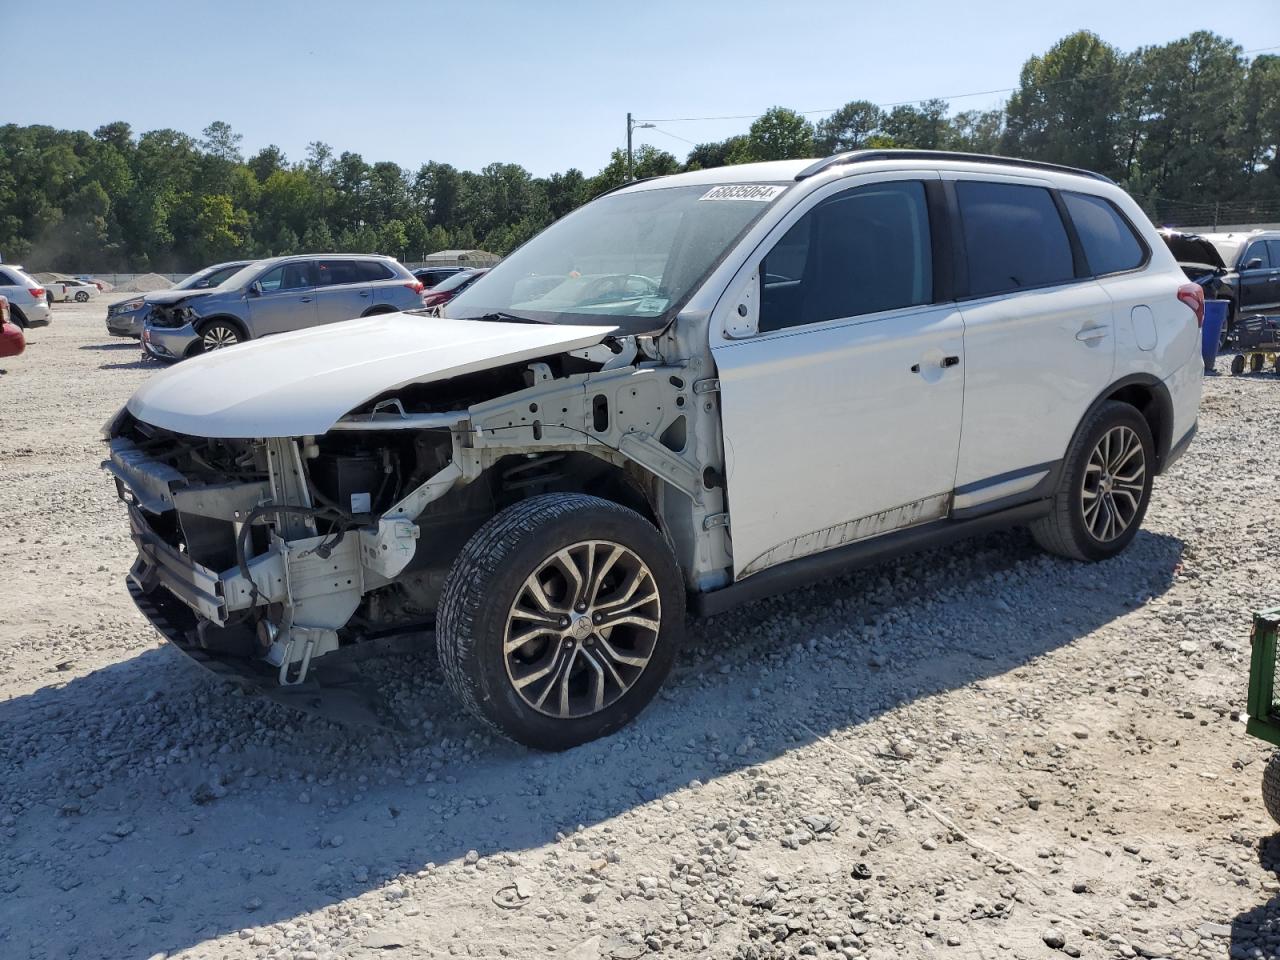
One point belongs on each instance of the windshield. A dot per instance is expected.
(633, 258)
(208, 277)
(453, 282)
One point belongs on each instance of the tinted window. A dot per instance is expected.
(216, 278)
(1109, 242)
(456, 282)
(371, 270)
(860, 252)
(331, 272)
(8, 279)
(1274, 247)
(1014, 237)
(287, 276)
(1257, 251)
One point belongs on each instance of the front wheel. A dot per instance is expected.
(560, 619)
(1105, 487)
(217, 334)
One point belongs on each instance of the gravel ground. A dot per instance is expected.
(979, 752)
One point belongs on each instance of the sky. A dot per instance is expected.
(544, 84)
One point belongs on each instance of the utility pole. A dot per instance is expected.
(632, 125)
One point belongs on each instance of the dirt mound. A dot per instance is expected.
(145, 283)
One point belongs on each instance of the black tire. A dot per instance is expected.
(18, 317)
(1237, 364)
(1256, 362)
(1065, 530)
(217, 333)
(1271, 786)
(491, 575)
(81, 297)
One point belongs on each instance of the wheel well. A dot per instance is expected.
(380, 308)
(17, 316)
(226, 318)
(1153, 402)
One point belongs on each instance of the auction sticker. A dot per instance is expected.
(760, 192)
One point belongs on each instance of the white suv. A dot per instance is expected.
(698, 389)
(27, 301)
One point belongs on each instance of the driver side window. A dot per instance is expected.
(287, 276)
(862, 251)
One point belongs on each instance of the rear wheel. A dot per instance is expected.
(1105, 486)
(560, 619)
(1256, 362)
(18, 317)
(217, 334)
(82, 297)
(1271, 786)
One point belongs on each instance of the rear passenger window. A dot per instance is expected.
(371, 270)
(1109, 242)
(1013, 237)
(333, 272)
(862, 251)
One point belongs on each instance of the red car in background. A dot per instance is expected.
(12, 342)
(446, 290)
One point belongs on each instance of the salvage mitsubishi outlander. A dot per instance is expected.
(692, 391)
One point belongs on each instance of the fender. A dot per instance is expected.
(1163, 402)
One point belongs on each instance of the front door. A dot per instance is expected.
(841, 415)
(287, 300)
(1256, 268)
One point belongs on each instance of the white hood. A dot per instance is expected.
(301, 383)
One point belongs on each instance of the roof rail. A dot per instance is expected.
(864, 156)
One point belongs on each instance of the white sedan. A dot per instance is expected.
(81, 291)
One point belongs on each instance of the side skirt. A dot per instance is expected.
(831, 563)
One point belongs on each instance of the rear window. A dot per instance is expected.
(1109, 242)
(1014, 237)
(372, 270)
(7, 279)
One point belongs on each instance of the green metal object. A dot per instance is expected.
(1264, 711)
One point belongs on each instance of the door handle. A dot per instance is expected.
(304, 300)
(950, 362)
(364, 293)
(1089, 334)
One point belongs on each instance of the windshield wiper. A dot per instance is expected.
(502, 317)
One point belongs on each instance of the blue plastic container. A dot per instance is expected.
(1215, 318)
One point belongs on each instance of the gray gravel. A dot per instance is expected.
(978, 752)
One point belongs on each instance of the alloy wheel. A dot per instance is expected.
(582, 629)
(217, 336)
(1115, 480)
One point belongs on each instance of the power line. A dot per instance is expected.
(903, 103)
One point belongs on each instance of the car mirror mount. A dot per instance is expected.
(743, 318)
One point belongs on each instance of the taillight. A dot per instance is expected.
(37, 292)
(1192, 294)
(416, 286)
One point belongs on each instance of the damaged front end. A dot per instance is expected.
(269, 545)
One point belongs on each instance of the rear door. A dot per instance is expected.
(1255, 276)
(287, 300)
(1038, 335)
(390, 286)
(842, 411)
(342, 292)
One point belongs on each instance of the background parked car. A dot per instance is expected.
(1242, 268)
(446, 290)
(12, 342)
(27, 304)
(78, 290)
(126, 318)
(274, 296)
(430, 276)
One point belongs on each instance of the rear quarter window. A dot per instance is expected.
(1014, 237)
(1110, 244)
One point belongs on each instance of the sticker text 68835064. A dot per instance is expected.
(760, 192)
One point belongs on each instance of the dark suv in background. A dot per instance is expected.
(275, 296)
(1243, 268)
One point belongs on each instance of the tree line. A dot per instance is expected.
(1190, 128)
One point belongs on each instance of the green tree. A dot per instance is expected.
(848, 128)
(778, 134)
